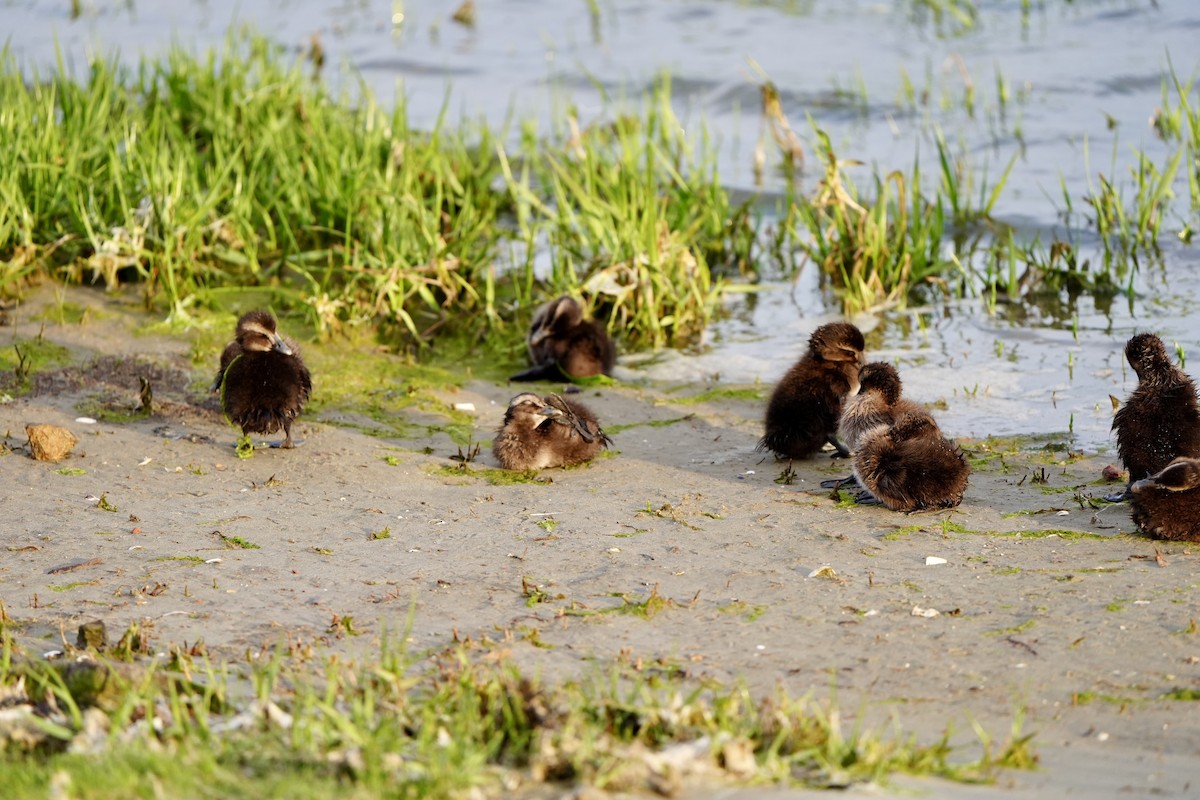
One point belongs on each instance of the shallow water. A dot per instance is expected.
(1084, 78)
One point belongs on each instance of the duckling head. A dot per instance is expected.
(837, 341)
(530, 410)
(882, 378)
(256, 332)
(1147, 355)
(554, 317)
(1181, 475)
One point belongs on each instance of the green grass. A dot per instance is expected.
(296, 726)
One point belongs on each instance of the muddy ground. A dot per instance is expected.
(1045, 605)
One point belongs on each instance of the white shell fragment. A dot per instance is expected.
(823, 572)
(934, 560)
(85, 420)
(465, 407)
(928, 613)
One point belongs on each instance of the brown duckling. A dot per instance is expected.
(803, 412)
(1167, 505)
(910, 466)
(878, 402)
(263, 381)
(542, 432)
(564, 345)
(1161, 419)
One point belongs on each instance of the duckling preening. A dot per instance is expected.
(803, 412)
(1167, 504)
(263, 381)
(878, 402)
(910, 466)
(1161, 419)
(564, 345)
(543, 432)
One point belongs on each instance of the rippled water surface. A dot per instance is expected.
(1082, 81)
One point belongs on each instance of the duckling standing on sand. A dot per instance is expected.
(910, 466)
(562, 344)
(262, 379)
(1167, 505)
(543, 432)
(878, 402)
(1161, 419)
(803, 412)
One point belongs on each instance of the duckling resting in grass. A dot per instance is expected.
(564, 345)
(910, 466)
(1161, 420)
(803, 412)
(542, 432)
(1167, 505)
(263, 381)
(878, 402)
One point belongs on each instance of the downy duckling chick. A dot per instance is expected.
(263, 381)
(1161, 420)
(562, 344)
(878, 402)
(803, 412)
(1167, 505)
(543, 432)
(910, 466)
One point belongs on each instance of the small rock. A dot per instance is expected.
(934, 560)
(50, 442)
(1111, 473)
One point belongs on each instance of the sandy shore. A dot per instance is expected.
(1044, 606)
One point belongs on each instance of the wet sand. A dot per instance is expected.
(1043, 606)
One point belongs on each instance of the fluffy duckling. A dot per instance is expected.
(878, 402)
(262, 379)
(910, 466)
(562, 344)
(803, 412)
(1167, 505)
(542, 432)
(1161, 420)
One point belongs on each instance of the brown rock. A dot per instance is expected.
(50, 442)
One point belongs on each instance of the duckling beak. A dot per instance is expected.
(550, 411)
(281, 346)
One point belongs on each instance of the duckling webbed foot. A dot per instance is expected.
(848, 482)
(549, 371)
(1118, 497)
(865, 498)
(839, 449)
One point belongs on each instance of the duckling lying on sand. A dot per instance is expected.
(564, 345)
(543, 432)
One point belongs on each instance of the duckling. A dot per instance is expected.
(878, 402)
(542, 432)
(910, 466)
(1167, 505)
(803, 412)
(562, 344)
(262, 379)
(1161, 419)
